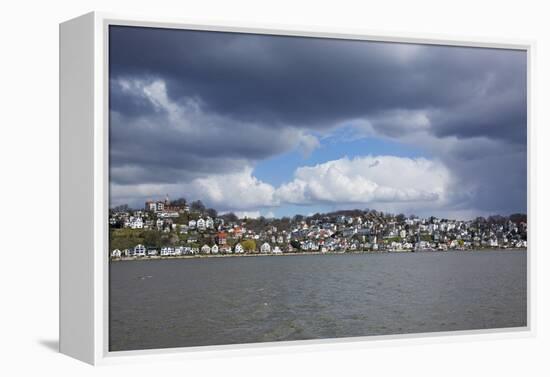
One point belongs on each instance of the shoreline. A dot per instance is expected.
(158, 257)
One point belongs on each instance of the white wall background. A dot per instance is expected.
(29, 189)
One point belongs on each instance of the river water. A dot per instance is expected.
(193, 302)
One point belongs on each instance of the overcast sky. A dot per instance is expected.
(273, 126)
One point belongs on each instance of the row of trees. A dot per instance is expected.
(516, 218)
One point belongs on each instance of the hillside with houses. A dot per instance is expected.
(165, 228)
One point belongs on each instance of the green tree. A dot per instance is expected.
(125, 238)
(174, 239)
(249, 245)
(179, 202)
(151, 238)
(298, 218)
(231, 217)
(295, 244)
(212, 212)
(197, 206)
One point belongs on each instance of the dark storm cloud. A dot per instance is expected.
(497, 179)
(131, 105)
(150, 147)
(313, 83)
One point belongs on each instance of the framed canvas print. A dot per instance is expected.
(243, 186)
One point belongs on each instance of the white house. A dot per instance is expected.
(214, 249)
(136, 223)
(192, 224)
(521, 243)
(152, 252)
(225, 249)
(116, 253)
(140, 251)
(209, 223)
(265, 248)
(205, 249)
(423, 245)
(166, 251)
(310, 245)
(396, 245)
(276, 250)
(201, 224)
(239, 249)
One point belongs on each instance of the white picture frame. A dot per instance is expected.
(84, 183)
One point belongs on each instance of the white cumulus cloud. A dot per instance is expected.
(369, 179)
(239, 191)
(247, 214)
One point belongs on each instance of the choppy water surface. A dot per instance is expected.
(192, 302)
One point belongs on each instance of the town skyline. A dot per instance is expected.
(169, 229)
